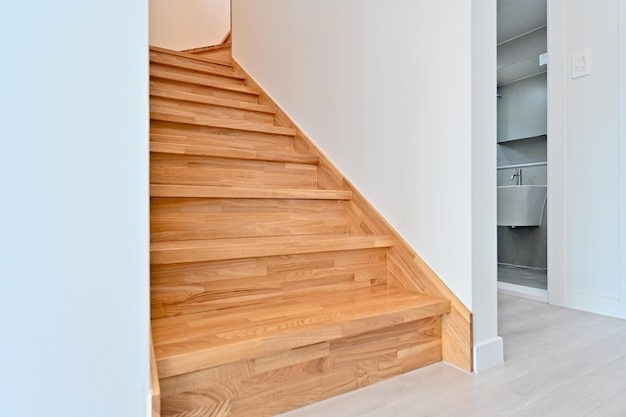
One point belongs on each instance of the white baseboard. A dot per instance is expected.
(488, 354)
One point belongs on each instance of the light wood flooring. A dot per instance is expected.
(558, 362)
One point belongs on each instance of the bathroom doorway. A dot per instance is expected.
(522, 145)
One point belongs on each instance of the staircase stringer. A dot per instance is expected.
(406, 268)
(154, 382)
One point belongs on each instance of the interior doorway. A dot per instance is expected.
(522, 148)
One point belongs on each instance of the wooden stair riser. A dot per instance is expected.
(198, 170)
(222, 54)
(192, 63)
(216, 111)
(206, 286)
(199, 58)
(267, 385)
(194, 191)
(188, 77)
(217, 90)
(175, 252)
(219, 76)
(224, 152)
(204, 136)
(155, 91)
(208, 218)
(219, 124)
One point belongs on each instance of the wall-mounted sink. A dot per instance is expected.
(521, 205)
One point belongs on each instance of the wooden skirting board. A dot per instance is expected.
(406, 268)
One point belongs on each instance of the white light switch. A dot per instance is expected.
(580, 63)
(543, 59)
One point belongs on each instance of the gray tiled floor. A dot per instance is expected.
(558, 362)
(528, 277)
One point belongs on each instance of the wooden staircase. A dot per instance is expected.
(274, 284)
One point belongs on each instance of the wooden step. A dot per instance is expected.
(183, 219)
(221, 52)
(232, 78)
(200, 120)
(198, 341)
(163, 73)
(191, 64)
(167, 190)
(260, 360)
(226, 139)
(217, 77)
(222, 249)
(215, 111)
(155, 91)
(205, 170)
(270, 385)
(221, 152)
(192, 57)
(206, 90)
(177, 289)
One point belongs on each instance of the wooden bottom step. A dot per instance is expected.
(260, 360)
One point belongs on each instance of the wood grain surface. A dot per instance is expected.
(274, 282)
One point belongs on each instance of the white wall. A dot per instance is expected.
(488, 346)
(74, 209)
(188, 24)
(386, 89)
(586, 263)
(622, 153)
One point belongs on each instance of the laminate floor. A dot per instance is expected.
(558, 362)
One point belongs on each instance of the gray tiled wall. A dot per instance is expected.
(522, 108)
(525, 246)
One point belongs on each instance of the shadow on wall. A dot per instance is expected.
(188, 24)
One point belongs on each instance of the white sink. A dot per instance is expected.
(521, 205)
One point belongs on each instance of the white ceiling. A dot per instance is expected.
(516, 17)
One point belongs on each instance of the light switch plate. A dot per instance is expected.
(581, 63)
(543, 59)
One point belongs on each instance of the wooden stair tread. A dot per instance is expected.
(196, 119)
(204, 99)
(189, 55)
(283, 146)
(238, 248)
(221, 152)
(299, 318)
(170, 60)
(199, 80)
(196, 191)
